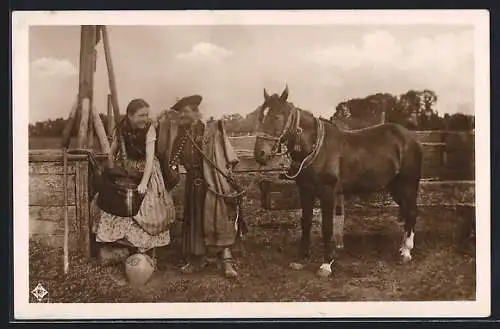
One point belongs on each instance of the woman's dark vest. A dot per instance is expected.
(135, 140)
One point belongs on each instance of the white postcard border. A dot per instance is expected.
(20, 65)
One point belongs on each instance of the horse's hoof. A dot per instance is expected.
(296, 266)
(406, 259)
(325, 270)
(405, 255)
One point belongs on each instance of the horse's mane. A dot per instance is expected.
(325, 120)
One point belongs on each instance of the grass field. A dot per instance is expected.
(368, 268)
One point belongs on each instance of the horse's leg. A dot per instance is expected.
(307, 203)
(406, 191)
(327, 199)
(396, 190)
(338, 221)
(409, 226)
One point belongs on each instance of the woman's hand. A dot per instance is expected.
(110, 163)
(141, 188)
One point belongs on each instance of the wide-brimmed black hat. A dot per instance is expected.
(188, 100)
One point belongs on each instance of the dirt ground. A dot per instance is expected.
(367, 270)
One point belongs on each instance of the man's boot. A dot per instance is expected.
(227, 262)
(195, 264)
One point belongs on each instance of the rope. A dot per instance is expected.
(231, 180)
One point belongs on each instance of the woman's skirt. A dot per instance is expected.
(150, 228)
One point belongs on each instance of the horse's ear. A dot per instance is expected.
(266, 95)
(284, 95)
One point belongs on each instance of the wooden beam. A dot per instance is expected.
(82, 226)
(70, 125)
(111, 117)
(88, 39)
(90, 133)
(54, 155)
(84, 124)
(87, 61)
(100, 131)
(283, 195)
(339, 221)
(112, 82)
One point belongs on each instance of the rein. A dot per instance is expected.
(309, 159)
(297, 131)
(230, 179)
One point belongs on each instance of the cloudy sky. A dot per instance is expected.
(230, 65)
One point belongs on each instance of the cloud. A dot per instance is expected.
(50, 66)
(377, 61)
(205, 51)
(445, 51)
(378, 47)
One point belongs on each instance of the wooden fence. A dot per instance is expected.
(448, 157)
(46, 199)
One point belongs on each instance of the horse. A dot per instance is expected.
(328, 161)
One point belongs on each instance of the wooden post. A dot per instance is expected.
(82, 224)
(90, 132)
(112, 82)
(338, 221)
(100, 132)
(88, 37)
(111, 122)
(69, 127)
(84, 124)
(92, 68)
(87, 44)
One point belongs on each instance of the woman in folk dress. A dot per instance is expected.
(150, 228)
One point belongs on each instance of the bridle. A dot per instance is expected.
(292, 128)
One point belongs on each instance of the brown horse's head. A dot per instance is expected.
(273, 115)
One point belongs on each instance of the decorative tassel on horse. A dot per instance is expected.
(297, 147)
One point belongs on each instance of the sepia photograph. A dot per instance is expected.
(251, 164)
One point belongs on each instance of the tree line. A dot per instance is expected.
(413, 109)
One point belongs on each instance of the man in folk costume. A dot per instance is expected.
(211, 210)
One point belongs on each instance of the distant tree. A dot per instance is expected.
(415, 110)
(429, 98)
(407, 110)
(233, 122)
(363, 112)
(460, 121)
(251, 124)
(429, 118)
(342, 112)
